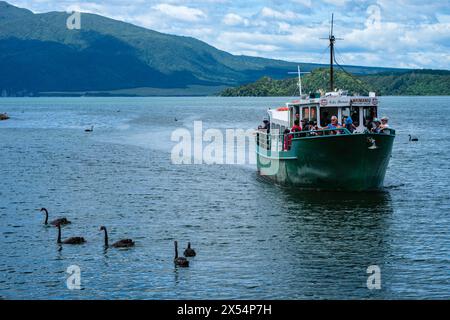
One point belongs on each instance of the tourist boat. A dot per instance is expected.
(325, 159)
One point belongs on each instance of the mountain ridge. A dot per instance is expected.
(38, 54)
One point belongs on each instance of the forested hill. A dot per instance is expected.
(39, 55)
(415, 82)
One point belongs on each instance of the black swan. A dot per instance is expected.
(180, 261)
(413, 138)
(189, 252)
(89, 130)
(72, 240)
(124, 243)
(61, 221)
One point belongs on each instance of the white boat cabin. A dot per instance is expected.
(320, 109)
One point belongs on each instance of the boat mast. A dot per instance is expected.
(332, 40)
(299, 73)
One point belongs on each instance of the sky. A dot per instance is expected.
(385, 33)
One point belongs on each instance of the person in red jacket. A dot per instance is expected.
(296, 127)
(287, 140)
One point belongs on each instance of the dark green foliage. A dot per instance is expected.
(415, 82)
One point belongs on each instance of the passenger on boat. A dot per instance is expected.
(296, 127)
(333, 125)
(376, 126)
(265, 126)
(348, 124)
(262, 126)
(384, 123)
(305, 125)
(311, 127)
(287, 140)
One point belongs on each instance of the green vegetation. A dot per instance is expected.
(415, 82)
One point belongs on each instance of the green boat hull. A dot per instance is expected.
(336, 162)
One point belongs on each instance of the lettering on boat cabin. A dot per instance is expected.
(347, 101)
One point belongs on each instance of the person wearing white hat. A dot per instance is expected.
(384, 123)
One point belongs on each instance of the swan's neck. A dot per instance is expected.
(106, 237)
(59, 234)
(46, 217)
(176, 251)
(189, 245)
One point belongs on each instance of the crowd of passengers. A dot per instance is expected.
(375, 126)
(310, 128)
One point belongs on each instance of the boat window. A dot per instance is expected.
(305, 113)
(369, 114)
(326, 114)
(313, 114)
(354, 111)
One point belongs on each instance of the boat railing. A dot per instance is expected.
(262, 139)
(320, 132)
(276, 141)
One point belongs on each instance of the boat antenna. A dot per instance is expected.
(299, 72)
(332, 39)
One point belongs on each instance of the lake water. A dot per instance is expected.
(253, 240)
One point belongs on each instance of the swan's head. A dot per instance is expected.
(102, 228)
(43, 209)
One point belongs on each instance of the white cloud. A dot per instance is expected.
(180, 12)
(410, 34)
(284, 27)
(232, 19)
(256, 47)
(275, 14)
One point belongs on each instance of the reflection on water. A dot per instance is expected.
(334, 237)
(253, 240)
